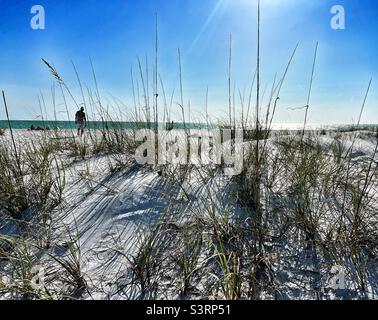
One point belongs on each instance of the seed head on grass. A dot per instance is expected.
(53, 71)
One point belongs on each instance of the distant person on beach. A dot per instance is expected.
(80, 121)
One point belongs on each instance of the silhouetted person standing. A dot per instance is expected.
(80, 121)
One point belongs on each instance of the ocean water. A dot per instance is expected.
(27, 124)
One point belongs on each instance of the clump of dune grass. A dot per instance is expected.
(20, 269)
(33, 272)
(147, 264)
(71, 263)
(38, 183)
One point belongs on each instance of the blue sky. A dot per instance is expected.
(113, 33)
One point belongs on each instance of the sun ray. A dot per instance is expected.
(205, 26)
